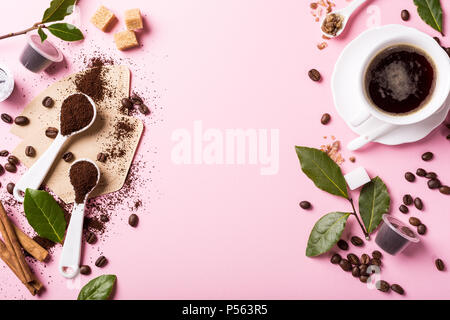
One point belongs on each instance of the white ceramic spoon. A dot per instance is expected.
(69, 263)
(345, 13)
(36, 174)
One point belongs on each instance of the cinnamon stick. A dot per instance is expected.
(30, 246)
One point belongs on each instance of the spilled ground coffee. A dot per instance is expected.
(83, 177)
(76, 113)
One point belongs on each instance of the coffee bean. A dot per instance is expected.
(364, 278)
(30, 151)
(127, 103)
(91, 238)
(375, 262)
(365, 259)
(10, 187)
(398, 289)
(101, 262)
(409, 176)
(405, 15)
(13, 160)
(21, 121)
(345, 265)
(314, 75)
(414, 221)
(6, 118)
(407, 200)
(4, 153)
(440, 264)
(418, 203)
(136, 99)
(434, 184)
(431, 175)
(427, 156)
(355, 272)
(10, 167)
(104, 218)
(422, 229)
(2, 170)
(353, 259)
(133, 220)
(403, 209)
(377, 254)
(305, 205)
(335, 258)
(382, 285)
(342, 244)
(144, 109)
(68, 156)
(325, 119)
(448, 137)
(85, 270)
(437, 40)
(444, 190)
(51, 132)
(48, 102)
(421, 172)
(363, 269)
(101, 157)
(357, 241)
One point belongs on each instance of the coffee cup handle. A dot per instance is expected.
(361, 117)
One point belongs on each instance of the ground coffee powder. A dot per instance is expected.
(83, 177)
(76, 113)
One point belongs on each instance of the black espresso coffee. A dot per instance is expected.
(400, 79)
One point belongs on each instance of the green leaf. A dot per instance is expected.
(431, 13)
(326, 232)
(322, 170)
(58, 10)
(45, 215)
(374, 201)
(42, 34)
(99, 288)
(66, 31)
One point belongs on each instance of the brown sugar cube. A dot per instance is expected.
(126, 40)
(103, 18)
(133, 19)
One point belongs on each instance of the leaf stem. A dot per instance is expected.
(366, 234)
(13, 34)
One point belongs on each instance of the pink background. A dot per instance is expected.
(213, 232)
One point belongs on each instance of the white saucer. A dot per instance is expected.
(345, 80)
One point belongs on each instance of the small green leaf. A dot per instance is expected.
(326, 232)
(66, 31)
(431, 13)
(58, 10)
(322, 170)
(45, 215)
(42, 34)
(374, 201)
(98, 289)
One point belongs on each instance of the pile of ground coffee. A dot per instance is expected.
(92, 82)
(76, 113)
(83, 177)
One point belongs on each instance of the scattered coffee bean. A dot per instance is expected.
(6, 118)
(431, 175)
(2, 170)
(314, 75)
(355, 272)
(335, 258)
(418, 203)
(325, 119)
(437, 40)
(382, 285)
(403, 209)
(364, 278)
(439, 264)
(422, 229)
(136, 99)
(91, 238)
(415, 221)
(353, 259)
(375, 262)
(407, 200)
(133, 220)
(365, 259)
(448, 137)
(357, 241)
(51, 132)
(342, 244)
(409, 176)
(405, 15)
(427, 156)
(101, 157)
(434, 184)
(421, 172)
(4, 153)
(127, 103)
(48, 102)
(30, 151)
(68, 156)
(444, 190)
(398, 289)
(10, 187)
(345, 265)
(10, 167)
(21, 121)
(85, 270)
(363, 269)
(144, 109)
(13, 160)
(305, 205)
(104, 218)
(101, 262)
(377, 254)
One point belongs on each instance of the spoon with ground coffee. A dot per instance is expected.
(78, 113)
(84, 176)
